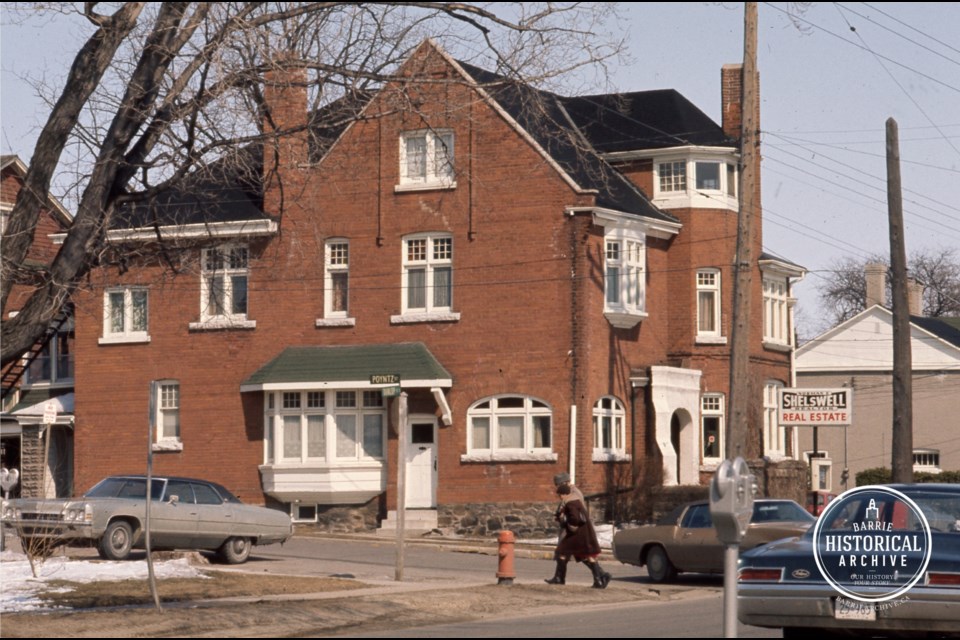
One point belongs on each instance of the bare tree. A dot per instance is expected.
(845, 288)
(161, 92)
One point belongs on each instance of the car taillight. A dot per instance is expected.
(943, 579)
(760, 575)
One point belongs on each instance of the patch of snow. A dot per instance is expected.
(19, 589)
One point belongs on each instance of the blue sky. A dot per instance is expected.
(829, 80)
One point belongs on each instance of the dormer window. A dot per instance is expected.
(704, 179)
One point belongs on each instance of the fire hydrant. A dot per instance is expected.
(505, 570)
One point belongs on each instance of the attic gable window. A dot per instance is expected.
(426, 160)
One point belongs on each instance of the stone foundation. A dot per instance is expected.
(525, 519)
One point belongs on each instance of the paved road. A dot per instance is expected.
(696, 611)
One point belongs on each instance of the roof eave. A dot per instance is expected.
(234, 229)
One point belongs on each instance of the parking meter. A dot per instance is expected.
(731, 507)
(731, 500)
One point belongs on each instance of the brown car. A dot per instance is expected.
(685, 540)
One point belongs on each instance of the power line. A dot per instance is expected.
(923, 33)
(850, 42)
(900, 35)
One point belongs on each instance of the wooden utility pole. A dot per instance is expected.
(737, 433)
(902, 448)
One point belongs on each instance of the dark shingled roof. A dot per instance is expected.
(412, 361)
(231, 189)
(644, 120)
(947, 329)
(544, 116)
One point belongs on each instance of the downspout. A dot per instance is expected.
(574, 342)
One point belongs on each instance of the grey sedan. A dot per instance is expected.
(185, 513)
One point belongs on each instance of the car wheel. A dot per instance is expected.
(659, 566)
(117, 541)
(235, 550)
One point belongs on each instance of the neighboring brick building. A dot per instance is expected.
(41, 377)
(550, 278)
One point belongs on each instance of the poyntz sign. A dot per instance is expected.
(815, 407)
(872, 544)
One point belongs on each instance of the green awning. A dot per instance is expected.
(349, 367)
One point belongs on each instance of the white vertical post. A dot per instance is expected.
(402, 429)
(573, 444)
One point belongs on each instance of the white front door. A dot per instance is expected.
(422, 463)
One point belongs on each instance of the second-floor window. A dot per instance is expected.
(708, 303)
(426, 159)
(775, 315)
(125, 314)
(337, 276)
(427, 273)
(224, 283)
(54, 363)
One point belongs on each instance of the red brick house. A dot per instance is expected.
(45, 374)
(548, 277)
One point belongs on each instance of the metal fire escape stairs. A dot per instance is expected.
(13, 374)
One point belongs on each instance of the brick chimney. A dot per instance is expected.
(731, 94)
(285, 110)
(875, 274)
(731, 98)
(915, 296)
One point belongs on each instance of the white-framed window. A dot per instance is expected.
(774, 436)
(625, 281)
(223, 285)
(54, 364)
(775, 311)
(427, 280)
(510, 426)
(125, 315)
(708, 306)
(4, 217)
(711, 427)
(167, 404)
(307, 428)
(926, 460)
(673, 176)
(336, 299)
(702, 180)
(426, 159)
(609, 428)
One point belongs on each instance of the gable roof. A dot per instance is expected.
(13, 161)
(544, 117)
(572, 132)
(865, 343)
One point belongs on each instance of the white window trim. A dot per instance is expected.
(692, 197)
(713, 413)
(528, 453)
(716, 336)
(623, 313)
(776, 312)
(125, 337)
(333, 318)
(927, 468)
(225, 320)
(774, 435)
(273, 430)
(429, 313)
(162, 443)
(618, 416)
(432, 180)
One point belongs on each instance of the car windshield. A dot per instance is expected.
(126, 488)
(782, 511)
